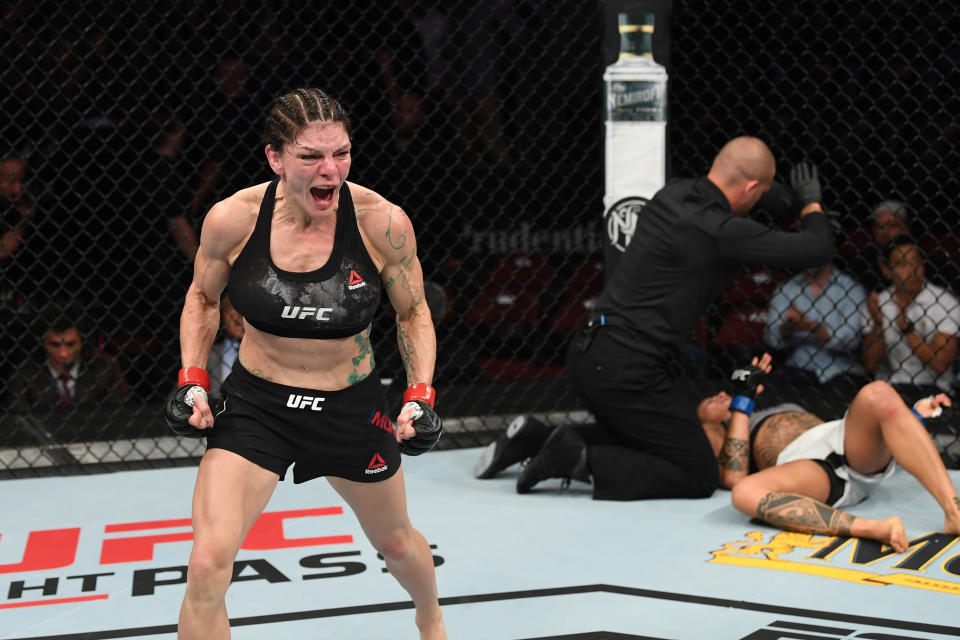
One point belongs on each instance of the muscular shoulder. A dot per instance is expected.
(230, 222)
(385, 227)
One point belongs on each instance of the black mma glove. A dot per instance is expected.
(179, 405)
(426, 422)
(806, 184)
(743, 387)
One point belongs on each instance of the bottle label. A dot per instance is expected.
(636, 100)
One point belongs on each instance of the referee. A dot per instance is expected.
(690, 241)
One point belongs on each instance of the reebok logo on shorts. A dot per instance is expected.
(377, 465)
(355, 281)
(297, 401)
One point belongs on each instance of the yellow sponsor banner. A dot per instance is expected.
(758, 554)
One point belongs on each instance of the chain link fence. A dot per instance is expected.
(482, 120)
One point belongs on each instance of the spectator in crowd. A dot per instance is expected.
(69, 375)
(400, 55)
(815, 317)
(17, 209)
(224, 351)
(791, 469)
(274, 69)
(151, 252)
(422, 162)
(163, 227)
(228, 135)
(166, 201)
(487, 35)
(888, 220)
(433, 27)
(169, 150)
(690, 242)
(910, 328)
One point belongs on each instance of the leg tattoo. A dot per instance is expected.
(801, 513)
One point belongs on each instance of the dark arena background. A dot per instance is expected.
(484, 121)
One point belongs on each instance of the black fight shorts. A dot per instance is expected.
(346, 433)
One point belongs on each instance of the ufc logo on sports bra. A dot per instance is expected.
(296, 401)
(320, 313)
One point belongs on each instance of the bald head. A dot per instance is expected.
(743, 170)
(744, 158)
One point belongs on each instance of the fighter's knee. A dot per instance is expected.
(394, 544)
(738, 493)
(209, 567)
(881, 397)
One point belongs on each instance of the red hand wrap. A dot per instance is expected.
(194, 375)
(420, 391)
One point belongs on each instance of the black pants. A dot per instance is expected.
(648, 442)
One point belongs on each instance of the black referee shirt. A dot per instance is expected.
(687, 248)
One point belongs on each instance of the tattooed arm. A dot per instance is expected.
(389, 232)
(415, 335)
(734, 456)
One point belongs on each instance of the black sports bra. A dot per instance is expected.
(337, 300)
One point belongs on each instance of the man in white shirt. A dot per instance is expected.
(910, 328)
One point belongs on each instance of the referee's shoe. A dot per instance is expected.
(564, 455)
(521, 441)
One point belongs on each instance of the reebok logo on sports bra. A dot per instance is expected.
(355, 281)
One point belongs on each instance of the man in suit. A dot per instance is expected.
(224, 351)
(68, 376)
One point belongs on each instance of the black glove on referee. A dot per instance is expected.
(428, 426)
(806, 183)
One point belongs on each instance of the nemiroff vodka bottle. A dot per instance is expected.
(635, 117)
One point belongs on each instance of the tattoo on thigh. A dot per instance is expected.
(802, 513)
(956, 502)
